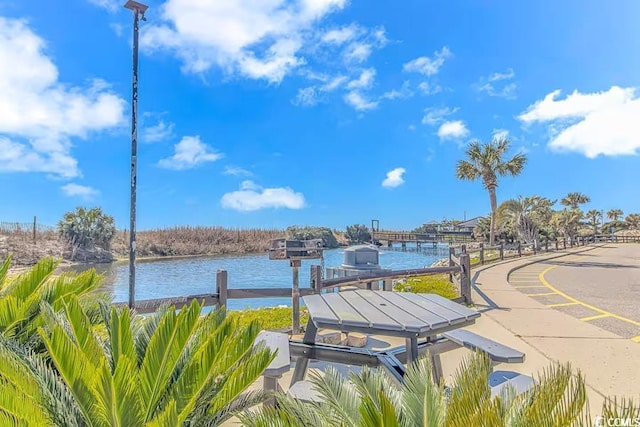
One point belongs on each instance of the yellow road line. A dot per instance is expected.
(570, 298)
(636, 339)
(597, 316)
(524, 281)
(542, 295)
(564, 304)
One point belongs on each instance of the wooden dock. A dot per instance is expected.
(389, 238)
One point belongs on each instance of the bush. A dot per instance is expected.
(358, 233)
(87, 228)
(434, 284)
(308, 233)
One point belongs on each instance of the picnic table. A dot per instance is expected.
(398, 314)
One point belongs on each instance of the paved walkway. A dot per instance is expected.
(551, 310)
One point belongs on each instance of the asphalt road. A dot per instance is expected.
(601, 287)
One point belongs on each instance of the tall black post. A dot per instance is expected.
(138, 9)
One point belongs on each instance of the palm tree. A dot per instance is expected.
(169, 369)
(370, 399)
(593, 219)
(526, 216)
(486, 162)
(633, 221)
(574, 200)
(614, 214)
(566, 222)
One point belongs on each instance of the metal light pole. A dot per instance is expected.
(138, 13)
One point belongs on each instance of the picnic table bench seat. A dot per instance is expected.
(497, 352)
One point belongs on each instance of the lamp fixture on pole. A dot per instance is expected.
(138, 13)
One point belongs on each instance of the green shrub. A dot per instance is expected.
(308, 233)
(434, 284)
(268, 317)
(87, 228)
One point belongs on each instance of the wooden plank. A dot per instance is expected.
(452, 317)
(467, 313)
(151, 305)
(395, 274)
(455, 259)
(345, 312)
(276, 341)
(376, 318)
(407, 319)
(428, 319)
(319, 310)
(496, 351)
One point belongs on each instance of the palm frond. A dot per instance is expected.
(3, 272)
(423, 400)
(471, 393)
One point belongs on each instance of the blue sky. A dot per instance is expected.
(318, 112)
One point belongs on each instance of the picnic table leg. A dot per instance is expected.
(436, 366)
(412, 349)
(303, 362)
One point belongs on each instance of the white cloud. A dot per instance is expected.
(189, 152)
(358, 52)
(307, 96)
(117, 28)
(601, 123)
(454, 129)
(429, 89)
(252, 197)
(342, 35)
(359, 102)
(333, 83)
(365, 80)
(159, 132)
(498, 84)
(433, 115)
(39, 115)
(236, 171)
(78, 190)
(412, 127)
(110, 5)
(426, 65)
(394, 178)
(500, 134)
(256, 39)
(404, 92)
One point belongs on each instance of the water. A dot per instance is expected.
(188, 276)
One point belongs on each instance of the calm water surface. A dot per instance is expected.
(177, 277)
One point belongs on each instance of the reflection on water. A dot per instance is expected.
(177, 277)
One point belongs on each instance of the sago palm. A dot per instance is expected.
(22, 296)
(169, 369)
(369, 399)
(487, 162)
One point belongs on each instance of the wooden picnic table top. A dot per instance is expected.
(387, 313)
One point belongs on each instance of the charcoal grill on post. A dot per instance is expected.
(295, 251)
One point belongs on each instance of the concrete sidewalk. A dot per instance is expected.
(609, 362)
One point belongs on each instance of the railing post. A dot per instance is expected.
(35, 226)
(452, 252)
(316, 278)
(519, 249)
(533, 245)
(463, 249)
(295, 296)
(221, 287)
(481, 253)
(501, 251)
(465, 277)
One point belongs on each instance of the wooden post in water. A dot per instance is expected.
(221, 287)
(481, 253)
(295, 295)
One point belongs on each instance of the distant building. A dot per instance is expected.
(468, 225)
